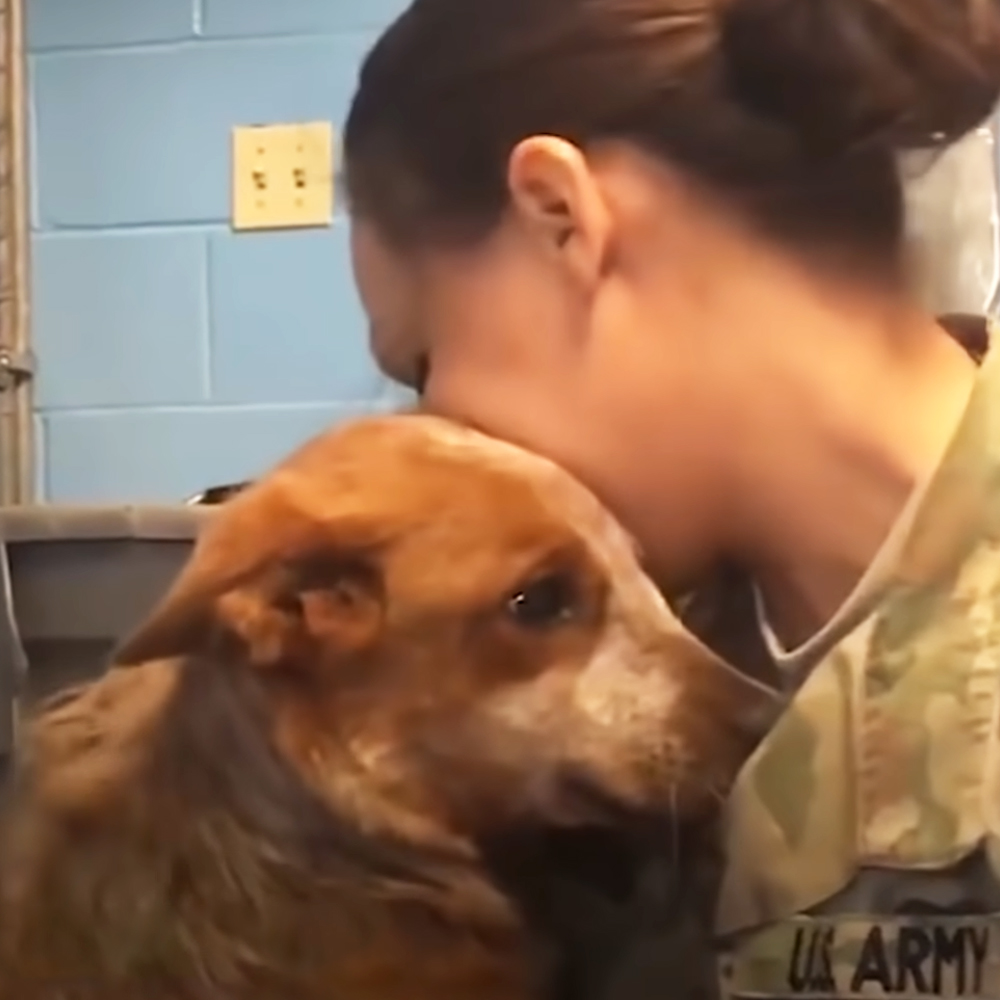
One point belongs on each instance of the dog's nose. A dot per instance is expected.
(743, 711)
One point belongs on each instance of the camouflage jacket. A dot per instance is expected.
(884, 772)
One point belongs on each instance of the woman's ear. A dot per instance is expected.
(558, 198)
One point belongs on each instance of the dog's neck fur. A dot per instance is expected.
(217, 868)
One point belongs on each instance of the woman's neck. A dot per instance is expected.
(834, 450)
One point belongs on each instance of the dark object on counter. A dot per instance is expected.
(215, 495)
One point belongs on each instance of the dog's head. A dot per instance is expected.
(461, 624)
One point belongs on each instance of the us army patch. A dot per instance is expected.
(843, 958)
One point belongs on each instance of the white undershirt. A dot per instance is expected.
(795, 664)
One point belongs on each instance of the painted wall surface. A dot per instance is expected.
(172, 353)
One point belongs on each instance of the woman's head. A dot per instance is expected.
(577, 215)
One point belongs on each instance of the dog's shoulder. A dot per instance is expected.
(153, 834)
(85, 743)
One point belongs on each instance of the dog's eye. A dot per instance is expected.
(546, 601)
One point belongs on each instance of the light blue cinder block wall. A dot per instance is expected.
(172, 353)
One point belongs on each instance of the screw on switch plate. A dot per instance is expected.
(282, 176)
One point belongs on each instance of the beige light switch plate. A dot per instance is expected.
(282, 176)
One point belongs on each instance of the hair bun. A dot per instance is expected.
(843, 74)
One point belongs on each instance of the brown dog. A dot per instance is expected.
(404, 639)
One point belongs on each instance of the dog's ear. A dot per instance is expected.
(278, 582)
(303, 611)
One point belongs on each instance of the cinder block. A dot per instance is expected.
(142, 136)
(286, 323)
(163, 456)
(79, 23)
(297, 17)
(119, 319)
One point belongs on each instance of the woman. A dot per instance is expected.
(661, 242)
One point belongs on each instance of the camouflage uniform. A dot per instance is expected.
(864, 834)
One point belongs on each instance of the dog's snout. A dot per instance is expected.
(672, 722)
(721, 714)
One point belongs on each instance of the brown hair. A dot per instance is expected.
(793, 110)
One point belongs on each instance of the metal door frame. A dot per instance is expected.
(17, 444)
